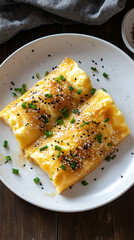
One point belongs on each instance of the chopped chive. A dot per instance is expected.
(24, 85)
(75, 111)
(58, 154)
(104, 89)
(73, 165)
(51, 179)
(93, 68)
(46, 73)
(108, 158)
(15, 171)
(90, 114)
(64, 125)
(36, 180)
(72, 120)
(5, 143)
(14, 94)
(59, 120)
(86, 123)
(24, 105)
(105, 75)
(57, 148)
(49, 95)
(23, 91)
(106, 120)
(31, 105)
(84, 183)
(63, 167)
(99, 138)
(37, 75)
(57, 80)
(70, 88)
(49, 134)
(93, 90)
(65, 113)
(62, 78)
(109, 144)
(79, 92)
(93, 121)
(43, 148)
(8, 158)
(18, 90)
(45, 120)
(73, 155)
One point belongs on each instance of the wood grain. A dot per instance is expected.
(21, 221)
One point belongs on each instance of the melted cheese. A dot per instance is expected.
(28, 124)
(84, 143)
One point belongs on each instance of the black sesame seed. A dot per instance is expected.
(49, 55)
(94, 179)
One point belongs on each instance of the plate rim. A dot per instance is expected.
(35, 203)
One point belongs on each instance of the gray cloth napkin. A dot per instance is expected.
(18, 15)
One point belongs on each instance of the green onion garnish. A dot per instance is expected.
(24, 85)
(15, 171)
(5, 143)
(59, 120)
(31, 105)
(57, 148)
(104, 89)
(43, 148)
(106, 120)
(18, 90)
(99, 138)
(73, 165)
(46, 73)
(85, 123)
(63, 167)
(57, 80)
(24, 105)
(70, 88)
(93, 90)
(14, 94)
(62, 78)
(73, 155)
(75, 111)
(84, 183)
(105, 75)
(65, 113)
(36, 180)
(93, 68)
(37, 75)
(49, 95)
(72, 120)
(49, 134)
(8, 158)
(90, 114)
(79, 92)
(108, 158)
(58, 154)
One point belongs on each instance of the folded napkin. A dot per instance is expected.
(18, 15)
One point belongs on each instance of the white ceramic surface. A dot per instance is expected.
(117, 175)
(126, 30)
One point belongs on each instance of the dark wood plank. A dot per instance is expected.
(18, 219)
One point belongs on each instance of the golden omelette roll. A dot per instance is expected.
(82, 143)
(38, 109)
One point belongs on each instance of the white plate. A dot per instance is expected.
(117, 175)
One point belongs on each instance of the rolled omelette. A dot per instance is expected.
(77, 147)
(48, 102)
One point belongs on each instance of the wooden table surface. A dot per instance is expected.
(21, 221)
